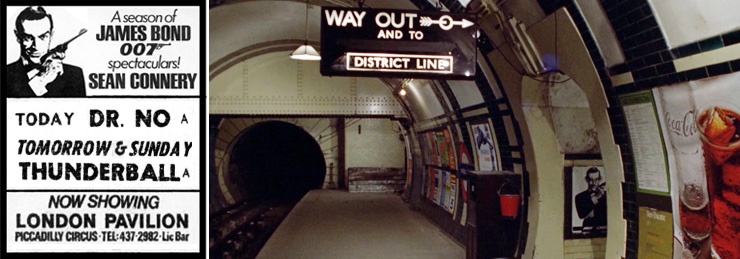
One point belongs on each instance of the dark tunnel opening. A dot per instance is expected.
(273, 165)
(277, 161)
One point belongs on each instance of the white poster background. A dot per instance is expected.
(579, 185)
(176, 131)
(93, 56)
(660, 94)
(24, 203)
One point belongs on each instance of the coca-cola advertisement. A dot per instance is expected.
(701, 126)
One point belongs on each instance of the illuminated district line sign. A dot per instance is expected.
(397, 43)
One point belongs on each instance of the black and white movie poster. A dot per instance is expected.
(103, 126)
(585, 202)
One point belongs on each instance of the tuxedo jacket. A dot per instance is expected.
(70, 83)
(584, 206)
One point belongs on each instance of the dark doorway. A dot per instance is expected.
(276, 160)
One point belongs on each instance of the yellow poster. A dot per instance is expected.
(656, 234)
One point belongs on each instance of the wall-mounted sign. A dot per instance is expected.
(397, 43)
(647, 143)
(399, 63)
(655, 234)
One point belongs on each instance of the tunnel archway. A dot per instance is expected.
(276, 160)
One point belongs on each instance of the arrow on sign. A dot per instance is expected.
(445, 22)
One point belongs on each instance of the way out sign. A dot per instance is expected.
(398, 43)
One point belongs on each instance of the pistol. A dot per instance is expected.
(59, 48)
(602, 187)
(160, 45)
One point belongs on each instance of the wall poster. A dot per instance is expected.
(426, 145)
(585, 202)
(433, 146)
(647, 143)
(431, 183)
(483, 143)
(702, 126)
(445, 191)
(450, 150)
(442, 149)
(104, 129)
(438, 183)
(451, 203)
(655, 234)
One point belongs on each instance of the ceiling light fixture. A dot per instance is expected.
(402, 92)
(305, 51)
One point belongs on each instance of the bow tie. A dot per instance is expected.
(30, 67)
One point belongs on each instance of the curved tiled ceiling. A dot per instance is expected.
(235, 26)
(240, 24)
(243, 30)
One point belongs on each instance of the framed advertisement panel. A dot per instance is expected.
(484, 146)
(646, 141)
(585, 202)
(701, 128)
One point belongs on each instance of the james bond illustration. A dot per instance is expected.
(40, 70)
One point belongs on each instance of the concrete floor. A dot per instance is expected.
(337, 224)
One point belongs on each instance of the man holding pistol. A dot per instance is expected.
(591, 203)
(40, 71)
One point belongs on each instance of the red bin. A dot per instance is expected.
(510, 205)
(509, 197)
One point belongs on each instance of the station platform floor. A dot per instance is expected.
(338, 224)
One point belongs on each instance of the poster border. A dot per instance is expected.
(624, 101)
(202, 131)
(568, 207)
(495, 149)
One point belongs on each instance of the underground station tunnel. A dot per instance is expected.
(474, 129)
